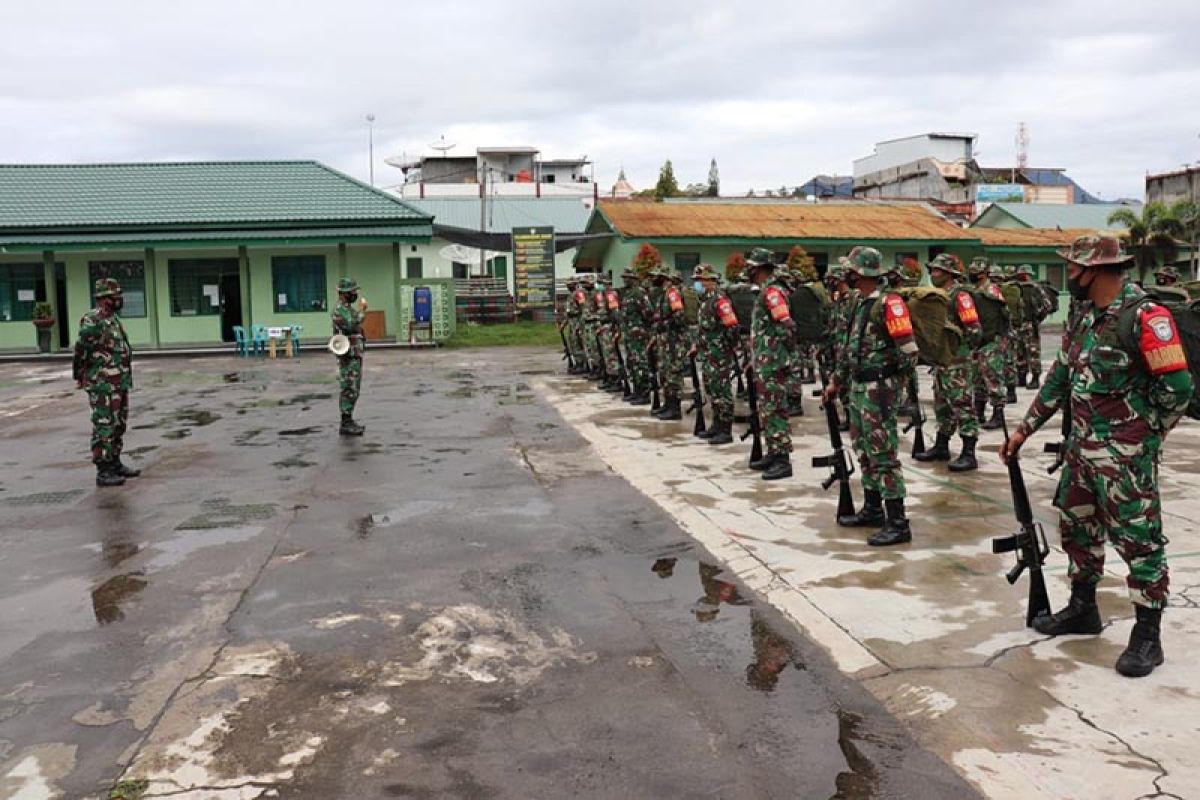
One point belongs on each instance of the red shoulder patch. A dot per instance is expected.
(896, 318)
(968, 314)
(725, 312)
(674, 299)
(614, 302)
(777, 304)
(1160, 343)
(996, 292)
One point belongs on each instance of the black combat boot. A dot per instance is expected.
(781, 467)
(1021, 380)
(124, 471)
(796, 406)
(980, 408)
(640, 398)
(722, 432)
(966, 459)
(1011, 397)
(870, 515)
(350, 427)
(1081, 615)
(1035, 381)
(107, 475)
(762, 463)
(940, 450)
(997, 420)
(671, 410)
(1144, 652)
(897, 530)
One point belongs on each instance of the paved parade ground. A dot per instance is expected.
(516, 586)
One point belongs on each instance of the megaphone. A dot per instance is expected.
(339, 344)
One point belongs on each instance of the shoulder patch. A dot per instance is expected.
(1160, 343)
(777, 303)
(968, 314)
(674, 299)
(896, 318)
(725, 312)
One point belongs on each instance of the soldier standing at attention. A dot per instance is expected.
(954, 384)
(1031, 334)
(348, 318)
(1123, 377)
(635, 331)
(571, 323)
(772, 332)
(989, 356)
(879, 348)
(103, 367)
(717, 342)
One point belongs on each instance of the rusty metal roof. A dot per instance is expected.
(1029, 237)
(647, 219)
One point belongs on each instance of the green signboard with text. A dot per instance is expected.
(533, 266)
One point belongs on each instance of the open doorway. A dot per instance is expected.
(60, 302)
(231, 304)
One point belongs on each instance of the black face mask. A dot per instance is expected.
(852, 280)
(1076, 289)
(940, 279)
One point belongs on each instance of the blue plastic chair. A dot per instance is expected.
(240, 341)
(259, 333)
(296, 340)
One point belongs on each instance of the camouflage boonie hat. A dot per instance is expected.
(108, 287)
(1025, 270)
(744, 276)
(995, 271)
(835, 273)
(631, 272)
(1096, 251)
(1166, 271)
(587, 280)
(866, 261)
(760, 257)
(978, 266)
(946, 263)
(706, 272)
(347, 285)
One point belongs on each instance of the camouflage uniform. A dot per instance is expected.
(588, 329)
(772, 337)
(103, 367)
(954, 383)
(799, 355)
(989, 356)
(348, 316)
(608, 310)
(1012, 343)
(1123, 394)
(717, 342)
(571, 316)
(879, 347)
(1029, 360)
(671, 330)
(636, 318)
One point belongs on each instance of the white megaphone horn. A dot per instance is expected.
(339, 344)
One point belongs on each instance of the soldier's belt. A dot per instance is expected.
(876, 374)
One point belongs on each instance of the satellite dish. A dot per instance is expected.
(464, 255)
(442, 146)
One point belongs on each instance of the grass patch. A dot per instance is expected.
(129, 790)
(522, 334)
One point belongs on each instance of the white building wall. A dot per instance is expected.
(914, 148)
(435, 266)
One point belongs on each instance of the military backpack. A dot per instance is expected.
(691, 305)
(1187, 322)
(1016, 303)
(742, 295)
(810, 306)
(993, 315)
(937, 338)
(1037, 301)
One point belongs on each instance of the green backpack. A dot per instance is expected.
(691, 305)
(993, 316)
(742, 295)
(1037, 301)
(1187, 322)
(1016, 304)
(809, 305)
(937, 338)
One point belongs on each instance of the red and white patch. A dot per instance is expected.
(896, 319)
(598, 299)
(580, 297)
(777, 304)
(996, 292)
(968, 314)
(674, 299)
(1160, 343)
(614, 302)
(725, 312)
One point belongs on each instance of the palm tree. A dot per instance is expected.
(1154, 234)
(1188, 214)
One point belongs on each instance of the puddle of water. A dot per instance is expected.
(305, 399)
(462, 392)
(293, 462)
(108, 597)
(861, 781)
(395, 516)
(309, 431)
(170, 552)
(181, 433)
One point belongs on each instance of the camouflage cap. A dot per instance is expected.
(1010, 271)
(1096, 251)
(1166, 271)
(835, 273)
(108, 287)
(760, 257)
(631, 272)
(979, 266)
(706, 272)
(587, 279)
(947, 263)
(347, 285)
(866, 261)
(995, 271)
(1025, 270)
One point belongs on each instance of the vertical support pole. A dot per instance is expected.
(150, 274)
(398, 289)
(51, 284)
(244, 280)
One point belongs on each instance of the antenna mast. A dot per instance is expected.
(1022, 146)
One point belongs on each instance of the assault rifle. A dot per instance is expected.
(566, 350)
(697, 401)
(1059, 448)
(626, 386)
(1029, 543)
(917, 420)
(839, 464)
(652, 356)
(755, 428)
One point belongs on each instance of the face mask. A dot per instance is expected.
(939, 279)
(852, 281)
(1077, 290)
(698, 286)
(118, 303)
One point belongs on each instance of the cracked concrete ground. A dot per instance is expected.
(466, 602)
(932, 629)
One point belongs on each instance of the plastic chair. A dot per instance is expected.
(259, 333)
(296, 340)
(240, 341)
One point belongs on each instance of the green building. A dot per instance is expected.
(203, 247)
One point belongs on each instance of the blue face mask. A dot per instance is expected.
(698, 286)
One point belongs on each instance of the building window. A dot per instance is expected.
(414, 268)
(195, 285)
(686, 262)
(458, 270)
(21, 285)
(298, 283)
(1056, 274)
(548, 178)
(132, 277)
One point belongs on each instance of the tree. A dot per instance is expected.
(714, 180)
(734, 266)
(647, 258)
(1153, 235)
(1188, 214)
(800, 261)
(667, 186)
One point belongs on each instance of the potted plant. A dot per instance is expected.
(43, 321)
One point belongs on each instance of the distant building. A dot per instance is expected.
(508, 171)
(622, 188)
(1091, 216)
(825, 187)
(1171, 187)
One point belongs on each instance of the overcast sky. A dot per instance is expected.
(775, 91)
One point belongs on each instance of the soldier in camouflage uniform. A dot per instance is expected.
(1123, 377)
(880, 346)
(588, 327)
(670, 343)
(1005, 278)
(1030, 336)
(570, 325)
(103, 367)
(989, 356)
(954, 384)
(348, 316)
(716, 346)
(1166, 275)
(636, 318)
(608, 312)
(844, 299)
(772, 333)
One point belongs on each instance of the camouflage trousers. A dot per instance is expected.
(635, 340)
(591, 351)
(953, 399)
(608, 347)
(110, 411)
(1029, 349)
(1010, 346)
(672, 353)
(873, 436)
(349, 381)
(989, 373)
(799, 364)
(574, 342)
(718, 367)
(773, 369)
(1114, 499)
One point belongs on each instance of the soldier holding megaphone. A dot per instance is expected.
(347, 344)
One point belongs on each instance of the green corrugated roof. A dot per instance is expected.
(420, 232)
(192, 194)
(1056, 215)
(564, 214)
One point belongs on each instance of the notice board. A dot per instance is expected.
(533, 266)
